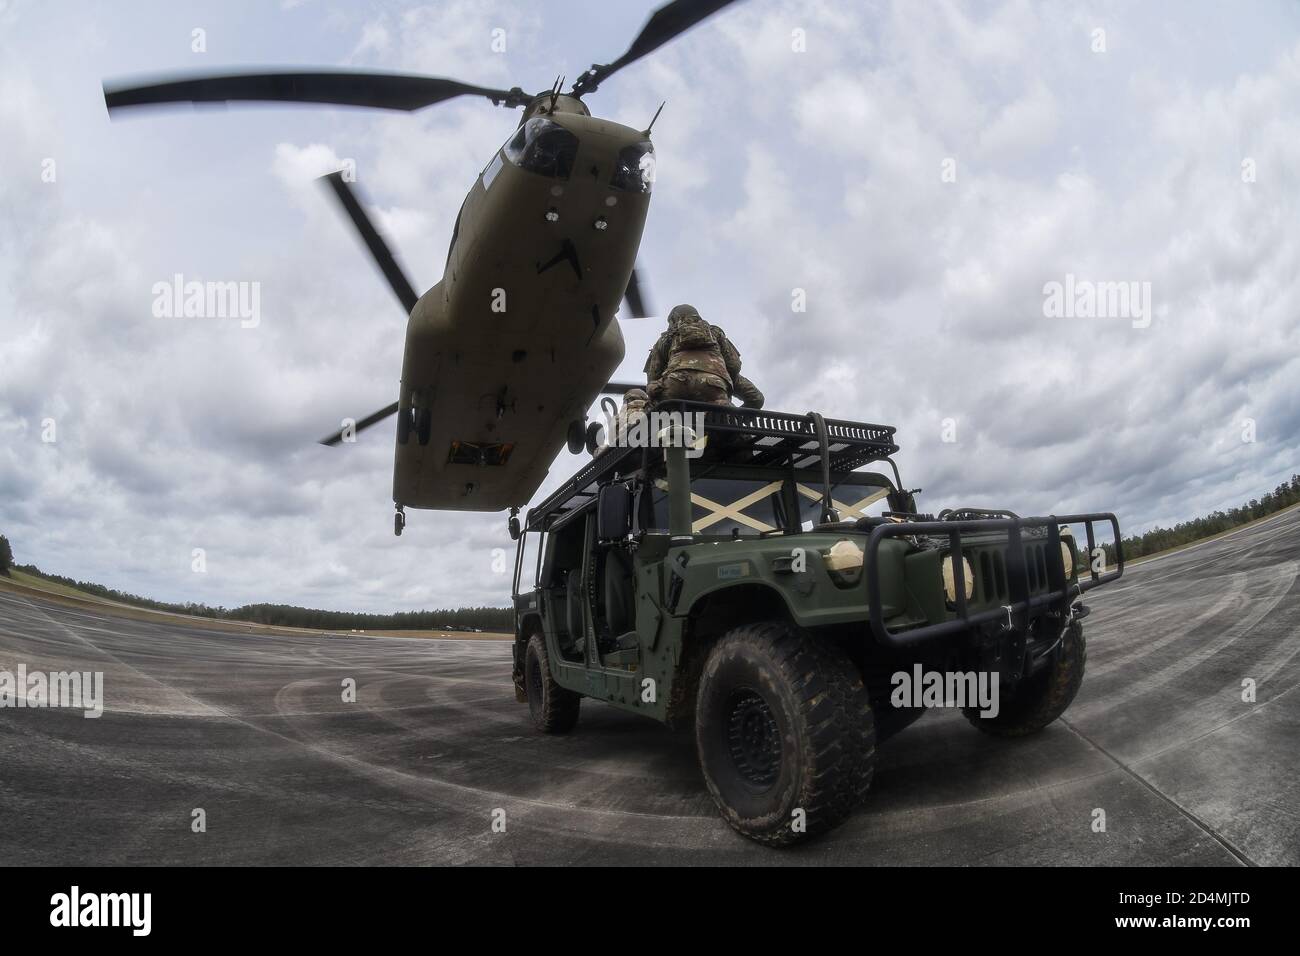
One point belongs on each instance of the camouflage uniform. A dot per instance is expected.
(682, 365)
(634, 403)
(745, 390)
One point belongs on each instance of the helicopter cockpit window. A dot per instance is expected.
(634, 171)
(543, 146)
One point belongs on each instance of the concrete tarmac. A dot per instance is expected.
(253, 730)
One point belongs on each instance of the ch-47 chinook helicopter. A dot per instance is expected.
(505, 354)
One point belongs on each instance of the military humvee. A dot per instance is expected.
(723, 572)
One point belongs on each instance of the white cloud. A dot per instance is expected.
(778, 170)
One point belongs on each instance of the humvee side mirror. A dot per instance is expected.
(614, 512)
(902, 502)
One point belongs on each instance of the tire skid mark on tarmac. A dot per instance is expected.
(413, 784)
(1155, 614)
(100, 652)
(1221, 707)
(1234, 595)
(419, 696)
(1211, 731)
(1278, 584)
(450, 732)
(480, 800)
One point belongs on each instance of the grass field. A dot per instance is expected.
(54, 587)
(23, 580)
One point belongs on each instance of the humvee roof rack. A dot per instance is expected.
(743, 436)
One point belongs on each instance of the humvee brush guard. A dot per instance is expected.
(732, 581)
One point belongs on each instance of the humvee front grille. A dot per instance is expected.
(1006, 590)
(991, 573)
(992, 577)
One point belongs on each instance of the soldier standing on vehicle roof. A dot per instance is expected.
(695, 360)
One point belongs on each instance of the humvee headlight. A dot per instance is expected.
(844, 563)
(1067, 555)
(844, 556)
(950, 579)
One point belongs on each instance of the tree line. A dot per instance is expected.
(502, 618)
(1185, 532)
(457, 619)
(284, 615)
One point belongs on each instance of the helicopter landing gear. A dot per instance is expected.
(584, 435)
(577, 437)
(399, 521)
(513, 524)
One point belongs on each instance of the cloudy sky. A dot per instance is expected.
(921, 170)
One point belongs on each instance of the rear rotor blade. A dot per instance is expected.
(389, 91)
(619, 388)
(373, 240)
(637, 300)
(366, 422)
(669, 21)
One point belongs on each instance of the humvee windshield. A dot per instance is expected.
(728, 502)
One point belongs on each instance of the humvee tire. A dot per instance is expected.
(783, 723)
(1044, 696)
(554, 709)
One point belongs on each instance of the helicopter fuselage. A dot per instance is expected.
(518, 338)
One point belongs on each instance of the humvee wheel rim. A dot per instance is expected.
(753, 739)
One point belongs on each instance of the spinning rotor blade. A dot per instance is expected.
(366, 422)
(669, 21)
(620, 388)
(389, 91)
(373, 240)
(401, 286)
(636, 298)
